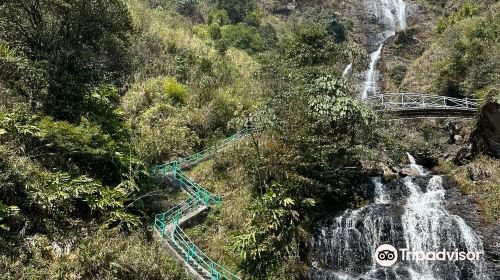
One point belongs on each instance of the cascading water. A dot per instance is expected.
(371, 79)
(347, 70)
(392, 15)
(407, 213)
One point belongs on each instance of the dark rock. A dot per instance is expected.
(486, 136)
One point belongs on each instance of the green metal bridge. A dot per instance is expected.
(167, 224)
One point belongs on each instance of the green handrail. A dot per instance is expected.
(198, 196)
(166, 168)
(193, 254)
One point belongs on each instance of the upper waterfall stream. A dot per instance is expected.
(391, 14)
(408, 213)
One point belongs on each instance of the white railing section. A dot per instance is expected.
(417, 101)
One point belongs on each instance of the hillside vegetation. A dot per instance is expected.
(463, 59)
(95, 93)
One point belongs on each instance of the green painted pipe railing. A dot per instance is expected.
(166, 168)
(192, 255)
(167, 223)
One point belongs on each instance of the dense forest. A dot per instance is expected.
(94, 93)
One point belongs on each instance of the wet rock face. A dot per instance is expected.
(486, 137)
(406, 46)
(465, 207)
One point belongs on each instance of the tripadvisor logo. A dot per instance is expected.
(387, 255)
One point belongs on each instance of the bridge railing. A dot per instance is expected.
(416, 101)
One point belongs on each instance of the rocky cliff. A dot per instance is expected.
(486, 137)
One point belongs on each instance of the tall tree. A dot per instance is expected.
(78, 44)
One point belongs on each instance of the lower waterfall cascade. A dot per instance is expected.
(408, 213)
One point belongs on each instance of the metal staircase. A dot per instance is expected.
(167, 224)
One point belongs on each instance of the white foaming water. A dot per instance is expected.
(392, 15)
(416, 167)
(428, 226)
(411, 159)
(381, 195)
(347, 70)
(371, 80)
(345, 247)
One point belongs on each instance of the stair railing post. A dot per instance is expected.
(162, 229)
(175, 168)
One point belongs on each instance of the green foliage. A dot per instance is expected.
(103, 109)
(175, 91)
(337, 30)
(85, 56)
(243, 37)
(185, 7)
(105, 255)
(237, 10)
(322, 133)
(41, 173)
(82, 147)
(219, 17)
(215, 32)
(464, 59)
(311, 45)
(6, 212)
(398, 73)
(254, 18)
(63, 194)
(277, 221)
(466, 10)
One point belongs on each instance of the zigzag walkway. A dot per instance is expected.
(167, 224)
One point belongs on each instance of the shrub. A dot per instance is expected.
(465, 11)
(243, 37)
(87, 55)
(175, 91)
(236, 9)
(311, 45)
(219, 17)
(105, 255)
(398, 73)
(337, 30)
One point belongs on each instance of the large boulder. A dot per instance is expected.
(486, 137)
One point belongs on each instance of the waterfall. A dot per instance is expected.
(371, 79)
(347, 70)
(416, 167)
(391, 14)
(428, 226)
(407, 213)
(381, 194)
